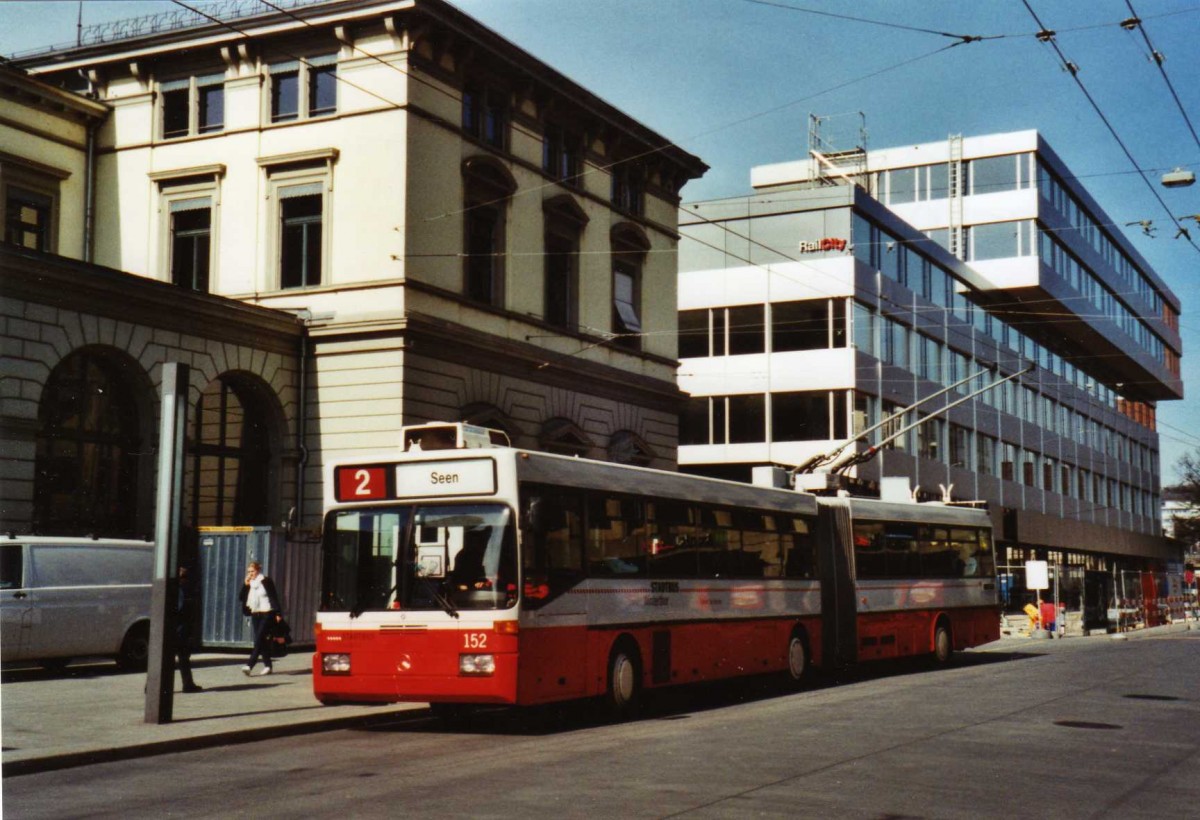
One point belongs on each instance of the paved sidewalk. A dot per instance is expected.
(93, 713)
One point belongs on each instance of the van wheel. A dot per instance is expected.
(624, 681)
(135, 649)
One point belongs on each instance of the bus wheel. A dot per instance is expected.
(943, 645)
(624, 681)
(135, 649)
(797, 658)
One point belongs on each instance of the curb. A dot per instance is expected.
(68, 760)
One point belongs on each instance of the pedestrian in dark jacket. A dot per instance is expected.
(185, 619)
(261, 603)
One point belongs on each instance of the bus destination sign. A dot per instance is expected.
(428, 479)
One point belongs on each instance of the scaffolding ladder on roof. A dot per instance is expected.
(955, 168)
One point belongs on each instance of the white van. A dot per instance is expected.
(64, 598)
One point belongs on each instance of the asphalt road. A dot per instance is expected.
(1087, 728)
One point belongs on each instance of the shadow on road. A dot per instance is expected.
(673, 703)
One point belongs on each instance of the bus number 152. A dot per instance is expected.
(475, 640)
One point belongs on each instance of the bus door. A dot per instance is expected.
(839, 610)
(553, 610)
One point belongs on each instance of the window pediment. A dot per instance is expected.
(490, 172)
(566, 208)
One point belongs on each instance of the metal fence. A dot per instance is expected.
(294, 566)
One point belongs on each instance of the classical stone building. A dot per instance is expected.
(398, 215)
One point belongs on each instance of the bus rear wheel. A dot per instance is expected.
(943, 644)
(797, 658)
(624, 681)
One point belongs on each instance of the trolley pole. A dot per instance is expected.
(160, 671)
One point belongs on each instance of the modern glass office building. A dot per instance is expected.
(844, 290)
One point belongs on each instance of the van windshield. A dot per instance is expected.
(411, 557)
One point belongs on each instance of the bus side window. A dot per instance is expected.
(801, 549)
(614, 537)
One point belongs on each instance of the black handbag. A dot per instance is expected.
(279, 638)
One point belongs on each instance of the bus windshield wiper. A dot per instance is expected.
(445, 602)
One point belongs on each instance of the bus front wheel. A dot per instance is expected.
(624, 681)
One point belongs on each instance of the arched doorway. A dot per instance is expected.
(230, 455)
(89, 443)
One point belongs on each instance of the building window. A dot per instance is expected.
(724, 420)
(890, 437)
(191, 242)
(989, 175)
(629, 248)
(488, 185)
(564, 437)
(192, 105)
(1000, 240)
(565, 222)
(301, 89)
(960, 446)
(985, 454)
(929, 437)
(801, 325)
(628, 188)
(627, 323)
(27, 218)
(747, 419)
(485, 115)
(301, 219)
(562, 153)
(733, 331)
(800, 416)
(88, 442)
(561, 282)
(627, 447)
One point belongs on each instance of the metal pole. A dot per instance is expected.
(160, 671)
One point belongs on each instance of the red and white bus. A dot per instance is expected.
(486, 574)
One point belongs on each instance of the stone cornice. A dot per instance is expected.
(63, 283)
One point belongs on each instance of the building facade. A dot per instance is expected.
(842, 292)
(458, 230)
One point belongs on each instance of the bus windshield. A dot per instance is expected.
(410, 557)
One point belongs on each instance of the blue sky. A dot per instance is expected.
(734, 81)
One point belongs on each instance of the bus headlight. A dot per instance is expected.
(335, 663)
(476, 664)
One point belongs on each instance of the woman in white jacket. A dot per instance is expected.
(261, 603)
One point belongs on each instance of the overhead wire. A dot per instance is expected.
(1158, 59)
(1049, 36)
(392, 103)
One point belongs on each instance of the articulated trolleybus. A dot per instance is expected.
(460, 572)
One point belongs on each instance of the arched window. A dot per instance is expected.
(88, 442)
(629, 249)
(564, 437)
(230, 453)
(488, 184)
(565, 221)
(627, 447)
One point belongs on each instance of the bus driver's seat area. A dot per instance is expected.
(468, 572)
